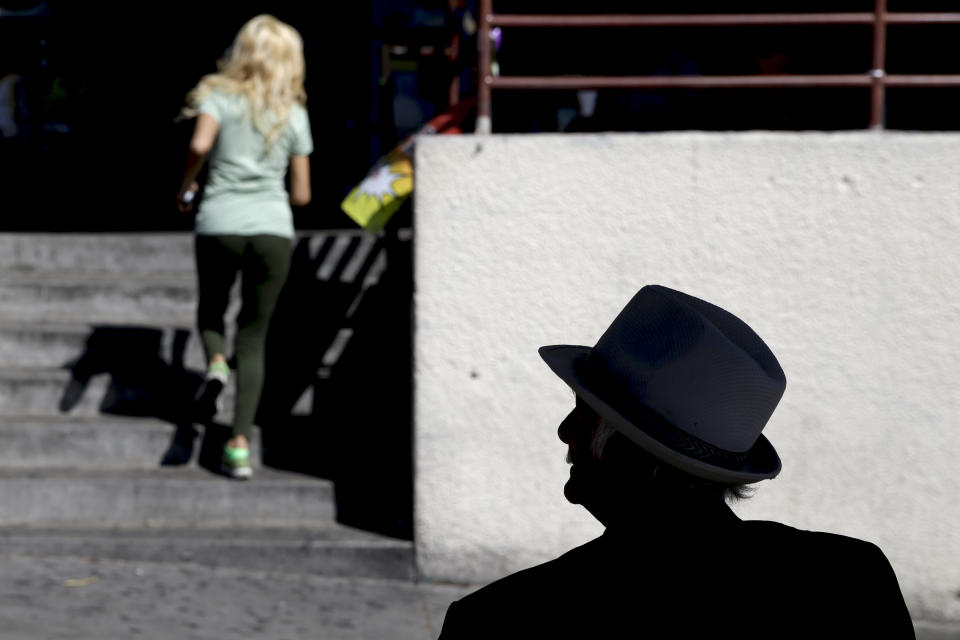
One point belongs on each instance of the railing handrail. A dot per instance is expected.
(722, 82)
(715, 19)
(875, 78)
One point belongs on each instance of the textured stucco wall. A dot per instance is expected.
(841, 250)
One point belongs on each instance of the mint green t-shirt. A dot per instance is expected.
(245, 193)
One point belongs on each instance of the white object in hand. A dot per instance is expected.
(188, 196)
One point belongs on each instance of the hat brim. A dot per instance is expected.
(762, 461)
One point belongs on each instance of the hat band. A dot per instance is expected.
(614, 392)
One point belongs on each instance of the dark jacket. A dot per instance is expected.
(735, 579)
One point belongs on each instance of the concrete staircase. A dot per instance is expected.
(98, 454)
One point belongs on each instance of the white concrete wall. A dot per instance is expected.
(840, 250)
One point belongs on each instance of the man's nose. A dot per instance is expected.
(565, 430)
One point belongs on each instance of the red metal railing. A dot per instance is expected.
(875, 78)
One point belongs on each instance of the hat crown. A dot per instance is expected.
(698, 366)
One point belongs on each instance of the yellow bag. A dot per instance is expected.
(390, 181)
(387, 185)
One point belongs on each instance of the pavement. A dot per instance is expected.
(52, 598)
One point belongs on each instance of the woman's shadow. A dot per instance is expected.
(145, 383)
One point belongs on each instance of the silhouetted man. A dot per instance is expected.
(669, 409)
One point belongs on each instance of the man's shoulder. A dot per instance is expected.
(527, 603)
(795, 551)
(845, 577)
(836, 563)
(546, 575)
(784, 538)
(834, 580)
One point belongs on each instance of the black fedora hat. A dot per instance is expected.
(687, 381)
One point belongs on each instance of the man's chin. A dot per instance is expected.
(578, 484)
(570, 492)
(580, 490)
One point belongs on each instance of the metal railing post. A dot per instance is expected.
(878, 72)
(484, 120)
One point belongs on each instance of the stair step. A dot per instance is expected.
(39, 392)
(32, 344)
(158, 391)
(169, 497)
(329, 550)
(146, 299)
(102, 442)
(132, 254)
(85, 443)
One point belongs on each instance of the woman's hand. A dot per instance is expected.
(187, 196)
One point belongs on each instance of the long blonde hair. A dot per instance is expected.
(266, 64)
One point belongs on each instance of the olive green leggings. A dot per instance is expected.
(263, 262)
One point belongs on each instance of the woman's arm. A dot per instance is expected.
(204, 135)
(300, 180)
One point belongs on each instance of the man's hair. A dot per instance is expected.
(669, 480)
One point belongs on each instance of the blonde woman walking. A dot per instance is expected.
(251, 128)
